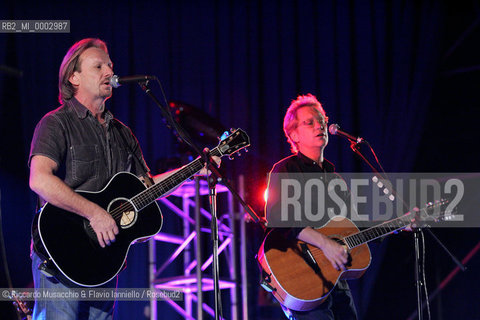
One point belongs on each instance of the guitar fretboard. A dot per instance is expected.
(149, 195)
(376, 232)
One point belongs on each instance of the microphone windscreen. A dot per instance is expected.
(333, 128)
(114, 81)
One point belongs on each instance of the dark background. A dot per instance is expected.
(402, 74)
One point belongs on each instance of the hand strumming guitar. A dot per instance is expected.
(334, 252)
(104, 226)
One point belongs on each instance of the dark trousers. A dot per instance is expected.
(338, 306)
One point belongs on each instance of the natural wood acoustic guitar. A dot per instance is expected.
(301, 277)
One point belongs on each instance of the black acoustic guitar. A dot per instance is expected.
(71, 243)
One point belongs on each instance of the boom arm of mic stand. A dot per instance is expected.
(212, 194)
(354, 147)
(180, 133)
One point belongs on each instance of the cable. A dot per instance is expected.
(376, 158)
(423, 275)
(178, 132)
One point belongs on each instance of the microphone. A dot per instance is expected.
(117, 81)
(334, 129)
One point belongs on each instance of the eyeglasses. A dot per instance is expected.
(310, 123)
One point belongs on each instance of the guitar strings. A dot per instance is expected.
(384, 228)
(164, 186)
(352, 238)
(376, 231)
(144, 198)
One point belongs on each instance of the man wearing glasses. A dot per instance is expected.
(305, 126)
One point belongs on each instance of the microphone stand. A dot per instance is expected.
(212, 197)
(215, 177)
(355, 146)
(418, 281)
(421, 304)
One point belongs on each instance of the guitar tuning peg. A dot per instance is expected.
(246, 149)
(230, 157)
(224, 135)
(239, 154)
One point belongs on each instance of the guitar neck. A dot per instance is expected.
(378, 231)
(149, 195)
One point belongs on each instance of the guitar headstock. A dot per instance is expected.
(233, 143)
(438, 210)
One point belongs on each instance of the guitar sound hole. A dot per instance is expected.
(123, 212)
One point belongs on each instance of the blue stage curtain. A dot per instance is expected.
(372, 64)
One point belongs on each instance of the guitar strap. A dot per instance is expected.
(146, 179)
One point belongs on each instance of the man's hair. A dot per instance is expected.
(290, 122)
(71, 63)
